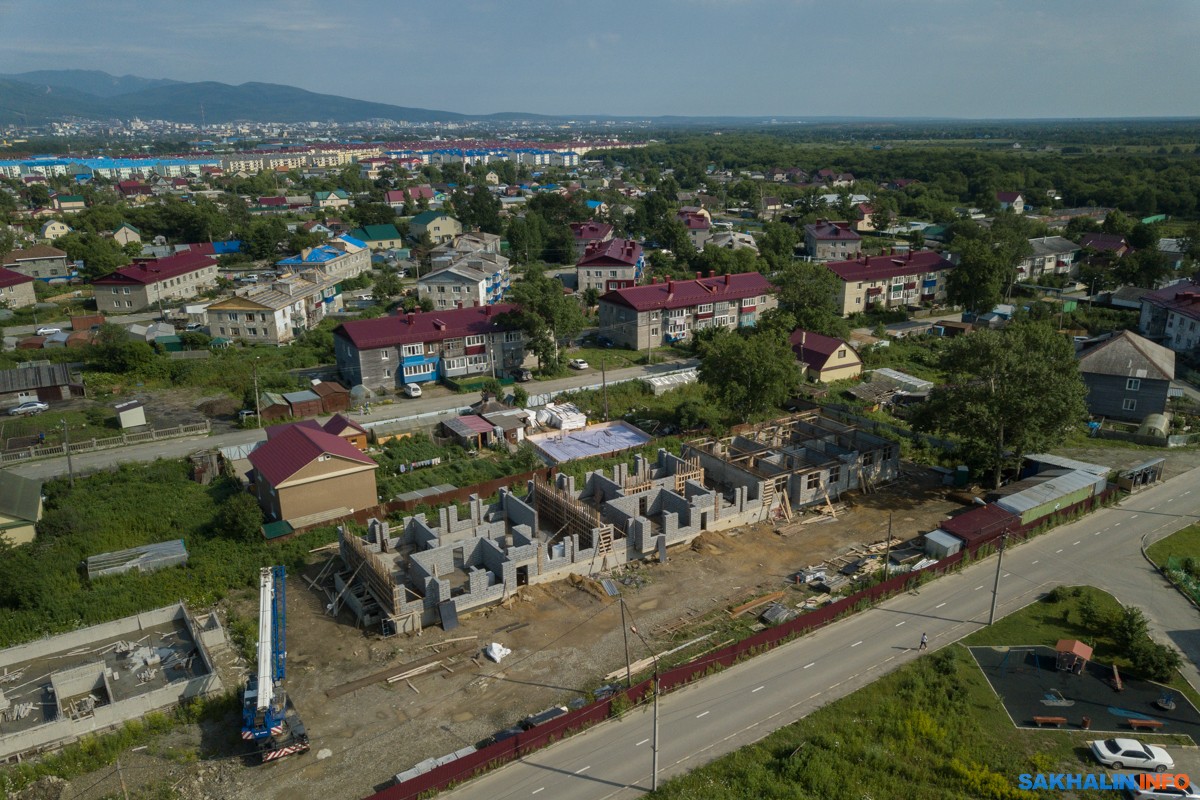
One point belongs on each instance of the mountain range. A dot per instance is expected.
(46, 95)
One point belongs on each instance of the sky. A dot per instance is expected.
(876, 58)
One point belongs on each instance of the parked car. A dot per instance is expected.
(578, 363)
(29, 407)
(1130, 753)
(1165, 793)
(193, 327)
(47, 331)
(521, 375)
(412, 390)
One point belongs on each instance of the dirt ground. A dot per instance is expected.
(565, 638)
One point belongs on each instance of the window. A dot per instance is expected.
(654, 331)
(475, 341)
(114, 290)
(748, 302)
(612, 273)
(835, 474)
(512, 336)
(456, 363)
(1133, 385)
(252, 331)
(418, 369)
(1129, 405)
(127, 292)
(384, 355)
(413, 350)
(704, 308)
(858, 301)
(814, 481)
(653, 314)
(842, 353)
(387, 373)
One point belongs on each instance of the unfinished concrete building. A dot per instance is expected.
(798, 461)
(419, 573)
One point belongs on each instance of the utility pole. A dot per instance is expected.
(257, 400)
(604, 383)
(67, 447)
(121, 776)
(996, 585)
(657, 692)
(887, 547)
(625, 636)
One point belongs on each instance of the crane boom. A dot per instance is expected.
(267, 714)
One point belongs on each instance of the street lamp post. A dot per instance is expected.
(654, 745)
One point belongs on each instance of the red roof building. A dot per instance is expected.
(388, 352)
(144, 284)
(891, 280)
(16, 290)
(824, 358)
(609, 265)
(831, 241)
(586, 233)
(306, 475)
(981, 525)
(668, 311)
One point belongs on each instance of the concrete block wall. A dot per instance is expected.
(518, 512)
(124, 627)
(718, 470)
(550, 564)
(596, 483)
(434, 563)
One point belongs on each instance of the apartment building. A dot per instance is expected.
(471, 279)
(668, 311)
(388, 352)
(588, 233)
(341, 258)
(278, 313)
(831, 241)
(1052, 255)
(891, 280)
(142, 285)
(471, 242)
(16, 290)
(610, 264)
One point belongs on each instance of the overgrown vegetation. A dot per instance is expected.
(43, 585)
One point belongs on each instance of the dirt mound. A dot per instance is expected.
(589, 585)
(710, 543)
(218, 407)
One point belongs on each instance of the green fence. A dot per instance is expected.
(1185, 573)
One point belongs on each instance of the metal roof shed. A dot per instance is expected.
(980, 525)
(939, 544)
(304, 403)
(1045, 498)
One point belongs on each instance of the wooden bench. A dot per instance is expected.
(1057, 722)
(1145, 724)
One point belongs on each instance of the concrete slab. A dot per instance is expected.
(594, 440)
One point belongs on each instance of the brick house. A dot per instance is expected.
(588, 233)
(831, 241)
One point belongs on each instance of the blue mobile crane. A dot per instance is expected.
(268, 717)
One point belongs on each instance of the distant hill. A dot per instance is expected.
(38, 97)
(89, 81)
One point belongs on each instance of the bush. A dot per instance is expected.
(1154, 661)
(1131, 629)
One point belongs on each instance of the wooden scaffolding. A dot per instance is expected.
(558, 511)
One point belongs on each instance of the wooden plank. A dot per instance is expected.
(766, 598)
(401, 669)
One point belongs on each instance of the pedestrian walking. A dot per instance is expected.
(924, 642)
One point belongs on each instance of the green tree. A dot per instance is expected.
(100, 255)
(262, 237)
(388, 285)
(978, 282)
(239, 517)
(527, 237)
(546, 315)
(778, 244)
(1130, 628)
(1154, 661)
(750, 373)
(1007, 393)
(485, 210)
(809, 293)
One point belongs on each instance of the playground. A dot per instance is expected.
(1061, 687)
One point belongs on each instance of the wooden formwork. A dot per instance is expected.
(693, 471)
(560, 512)
(375, 574)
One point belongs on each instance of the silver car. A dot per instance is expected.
(1123, 753)
(29, 407)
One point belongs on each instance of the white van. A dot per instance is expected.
(412, 390)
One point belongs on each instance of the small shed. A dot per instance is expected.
(470, 431)
(939, 544)
(510, 423)
(980, 525)
(131, 414)
(170, 344)
(1141, 475)
(303, 403)
(334, 396)
(1040, 500)
(1073, 655)
(274, 406)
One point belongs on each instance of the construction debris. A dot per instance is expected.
(496, 652)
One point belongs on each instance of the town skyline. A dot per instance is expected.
(749, 58)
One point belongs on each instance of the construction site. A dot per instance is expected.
(419, 573)
(58, 689)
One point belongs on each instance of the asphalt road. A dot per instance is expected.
(745, 703)
(437, 400)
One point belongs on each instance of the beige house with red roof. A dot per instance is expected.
(306, 475)
(892, 280)
(588, 233)
(664, 312)
(142, 285)
(825, 359)
(608, 265)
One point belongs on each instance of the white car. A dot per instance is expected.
(412, 390)
(1132, 754)
(47, 331)
(578, 363)
(1165, 793)
(28, 408)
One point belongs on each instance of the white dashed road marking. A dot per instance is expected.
(702, 714)
(856, 644)
(759, 689)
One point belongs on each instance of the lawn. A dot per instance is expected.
(613, 357)
(1184, 544)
